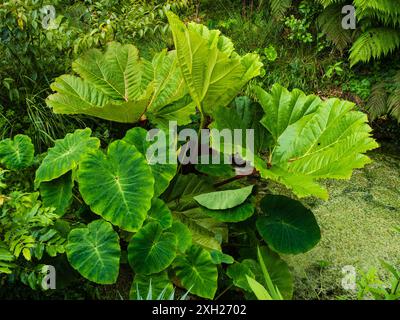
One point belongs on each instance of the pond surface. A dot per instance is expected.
(357, 225)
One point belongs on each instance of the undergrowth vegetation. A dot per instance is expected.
(97, 189)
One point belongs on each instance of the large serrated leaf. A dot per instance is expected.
(213, 72)
(243, 114)
(314, 140)
(120, 86)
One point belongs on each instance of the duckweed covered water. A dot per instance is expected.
(357, 226)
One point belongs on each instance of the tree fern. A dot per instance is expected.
(388, 11)
(329, 22)
(394, 104)
(374, 43)
(377, 102)
(378, 20)
(385, 98)
(279, 7)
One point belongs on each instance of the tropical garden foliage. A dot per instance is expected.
(78, 191)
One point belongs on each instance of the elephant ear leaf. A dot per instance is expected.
(223, 71)
(151, 250)
(226, 199)
(314, 140)
(163, 172)
(118, 185)
(197, 272)
(114, 86)
(95, 252)
(58, 193)
(287, 226)
(17, 153)
(66, 155)
(159, 212)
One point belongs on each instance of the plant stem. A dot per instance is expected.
(223, 292)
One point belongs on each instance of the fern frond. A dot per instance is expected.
(279, 7)
(394, 104)
(327, 3)
(374, 43)
(330, 22)
(377, 102)
(387, 11)
(396, 79)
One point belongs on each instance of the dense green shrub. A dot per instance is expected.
(171, 223)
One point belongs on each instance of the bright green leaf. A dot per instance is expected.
(57, 193)
(197, 272)
(118, 186)
(17, 153)
(221, 200)
(66, 155)
(95, 252)
(288, 227)
(162, 172)
(151, 250)
(213, 72)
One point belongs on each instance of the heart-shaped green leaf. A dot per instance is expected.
(57, 193)
(66, 155)
(17, 153)
(159, 212)
(183, 235)
(243, 113)
(151, 250)
(288, 226)
(197, 272)
(226, 199)
(117, 186)
(163, 173)
(95, 252)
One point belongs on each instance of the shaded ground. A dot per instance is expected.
(357, 228)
